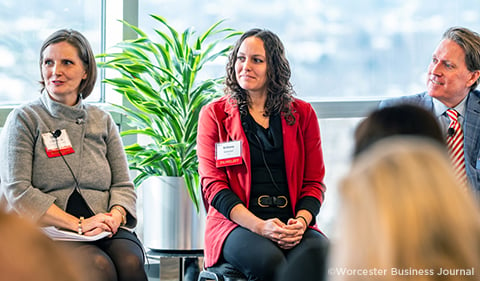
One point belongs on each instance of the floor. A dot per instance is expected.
(169, 270)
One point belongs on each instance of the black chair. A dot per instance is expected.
(221, 272)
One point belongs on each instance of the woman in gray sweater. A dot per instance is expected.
(63, 164)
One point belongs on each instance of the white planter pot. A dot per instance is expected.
(170, 220)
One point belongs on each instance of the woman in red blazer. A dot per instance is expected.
(260, 162)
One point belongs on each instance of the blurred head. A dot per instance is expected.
(27, 254)
(66, 45)
(401, 207)
(258, 62)
(404, 119)
(455, 66)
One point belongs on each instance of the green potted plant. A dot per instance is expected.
(158, 77)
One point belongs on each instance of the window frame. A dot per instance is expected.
(344, 108)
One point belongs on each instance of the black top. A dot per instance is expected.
(77, 206)
(268, 173)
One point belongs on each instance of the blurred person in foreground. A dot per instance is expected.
(453, 76)
(62, 164)
(403, 216)
(401, 119)
(260, 162)
(27, 254)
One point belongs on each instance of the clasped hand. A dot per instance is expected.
(287, 235)
(101, 222)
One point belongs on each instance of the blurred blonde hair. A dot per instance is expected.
(402, 208)
(27, 254)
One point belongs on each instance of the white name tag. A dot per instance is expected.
(228, 153)
(59, 145)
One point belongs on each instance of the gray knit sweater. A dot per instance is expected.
(31, 181)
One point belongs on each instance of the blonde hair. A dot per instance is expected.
(27, 254)
(402, 209)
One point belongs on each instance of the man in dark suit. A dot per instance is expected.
(453, 75)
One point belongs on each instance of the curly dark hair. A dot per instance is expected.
(279, 89)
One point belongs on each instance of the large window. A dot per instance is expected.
(25, 24)
(338, 49)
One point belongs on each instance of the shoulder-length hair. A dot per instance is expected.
(85, 52)
(402, 207)
(279, 89)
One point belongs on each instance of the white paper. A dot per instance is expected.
(65, 235)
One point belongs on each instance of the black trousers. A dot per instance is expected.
(260, 259)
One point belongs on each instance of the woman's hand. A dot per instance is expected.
(297, 228)
(272, 229)
(90, 226)
(100, 223)
(299, 225)
(116, 221)
(286, 236)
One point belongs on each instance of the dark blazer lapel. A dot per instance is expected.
(426, 102)
(472, 126)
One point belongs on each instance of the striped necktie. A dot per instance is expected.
(455, 145)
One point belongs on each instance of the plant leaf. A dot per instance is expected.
(159, 79)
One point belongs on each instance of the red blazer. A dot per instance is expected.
(220, 122)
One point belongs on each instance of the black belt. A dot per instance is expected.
(265, 201)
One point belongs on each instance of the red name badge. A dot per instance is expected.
(228, 153)
(59, 152)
